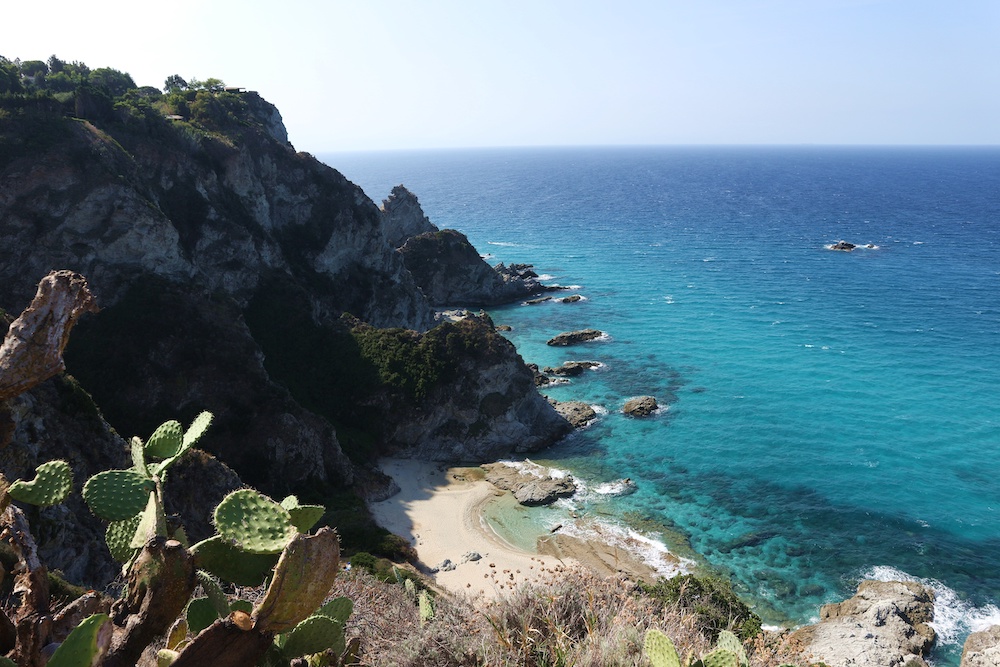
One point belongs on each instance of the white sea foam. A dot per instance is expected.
(669, 298)
(621, 487)
(505, 244)
(954, 618)
(651, 551)
(600, 410)
(529, 467)
(546, 276)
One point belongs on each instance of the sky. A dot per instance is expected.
(366, 75)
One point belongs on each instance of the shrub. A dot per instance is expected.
(712, 600)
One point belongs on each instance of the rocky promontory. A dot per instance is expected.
(886, 623)
(982, 649)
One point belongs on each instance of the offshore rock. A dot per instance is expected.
(982, 649)
(640, 406)
(577, 413)
(571, 368)
(574, 337)
(531, 486)
(886, 624)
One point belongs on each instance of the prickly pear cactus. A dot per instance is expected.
(313, 635)
(721, 658)
(730, 642)
(228, 563)
(426, 607)
(85, 645)
(411, 588)
(119, 538)
(660, 650)
(253, 522)
(302, 580)
(214, 592)
(199, 614)
(116, 495)
(139, 457)
(166, 440)
(53, 482)
(197, 429)
(152, 522)
(304, 517)
(338, 609)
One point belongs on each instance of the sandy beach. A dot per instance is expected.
(440, 510)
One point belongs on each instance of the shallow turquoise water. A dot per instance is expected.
(830, 415)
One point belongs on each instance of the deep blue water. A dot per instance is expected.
(830, 415)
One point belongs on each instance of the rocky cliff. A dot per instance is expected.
(223, 261)
(446, 267)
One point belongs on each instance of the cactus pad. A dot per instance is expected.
(152, 522)
(225, 561)
(197, 429)
(312, 635)
(730, 642)
(115, 495)
(119, 538)
(214, 592)
(338, 609)
(200, 614)
(304, 517)
(139, 456)
(166, 440)
(660, 650)
(53, 482)
(85, 645)
(302, 579)
(166, 657)
(426, 607)
(253, 522)
(721, 657)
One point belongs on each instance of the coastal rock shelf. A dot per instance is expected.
(885, 623)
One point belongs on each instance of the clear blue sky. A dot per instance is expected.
(385, 74)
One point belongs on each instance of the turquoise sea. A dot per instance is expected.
(828, 416)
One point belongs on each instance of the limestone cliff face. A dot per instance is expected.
(222, 260)
(216, 210)
(484, 407)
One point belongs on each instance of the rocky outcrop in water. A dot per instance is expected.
(577, 413)
(574, 337)
(886, 624)
(640, 406)
(982, 649)
(531, 486)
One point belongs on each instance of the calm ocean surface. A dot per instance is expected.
(829, 416)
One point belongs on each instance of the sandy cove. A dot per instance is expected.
(440, 511)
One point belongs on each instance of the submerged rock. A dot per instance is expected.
(843, 245)
(574, 337)
(640, 406)
(571, 368)
(886, 624)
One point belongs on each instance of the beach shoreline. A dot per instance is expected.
(441, 511)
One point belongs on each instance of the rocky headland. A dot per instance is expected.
(236, 275)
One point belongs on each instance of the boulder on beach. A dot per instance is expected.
(885, 623)
(640, 406)
(530, 487)
(574, 337)
(577, 413)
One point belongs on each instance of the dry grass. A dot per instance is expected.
(575, 619)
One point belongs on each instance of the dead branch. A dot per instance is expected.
(32, 350)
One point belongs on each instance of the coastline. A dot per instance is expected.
(442, 510)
